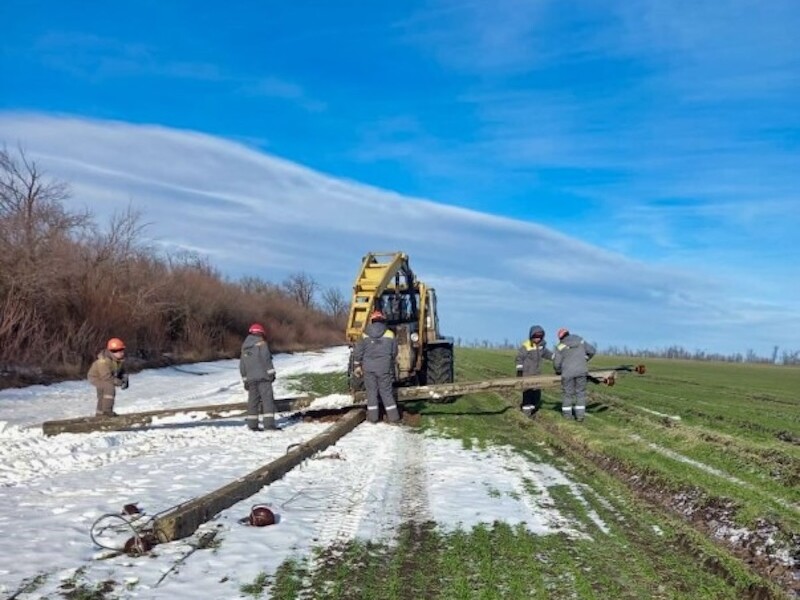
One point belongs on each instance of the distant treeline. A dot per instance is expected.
(777, 357)
(67, 285)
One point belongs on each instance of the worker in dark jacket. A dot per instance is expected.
(530, 356)
(258, 373)
(106, 374)
(570, 360)
(374, 359)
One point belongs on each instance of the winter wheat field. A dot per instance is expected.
(653, 496)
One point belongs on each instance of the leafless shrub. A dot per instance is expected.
(67, 285)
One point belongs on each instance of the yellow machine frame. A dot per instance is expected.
(382, 277)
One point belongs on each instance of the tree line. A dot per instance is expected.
(68, 284)
(776, 357)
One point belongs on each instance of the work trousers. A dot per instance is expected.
(260, 401)
(531, 402)
(573, 396)
(379, 389)
(106, 392)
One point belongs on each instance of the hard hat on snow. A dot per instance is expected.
(257, 328)
(115, 344)
(563, 332)
(377, 316)
(261, 516)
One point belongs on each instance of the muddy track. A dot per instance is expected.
(782, 468)
(712, 517)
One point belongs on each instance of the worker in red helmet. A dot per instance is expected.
(258, 373)
(374, 359)
(106, 374)
(530, 356)
(571, 361)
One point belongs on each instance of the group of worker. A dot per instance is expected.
(107, 373)
(374, 359)
(570, 360)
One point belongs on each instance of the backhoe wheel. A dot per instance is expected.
(439, 369)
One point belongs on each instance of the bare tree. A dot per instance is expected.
(335, 303)
(32, 216)
(301, 286)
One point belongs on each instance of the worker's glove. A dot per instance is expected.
(358, 371)
(125, 383)
(246, 385)
(558, 371)
(519, 372)
(271, 377)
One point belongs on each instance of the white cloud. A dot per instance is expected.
(478, 36)
(256, 214)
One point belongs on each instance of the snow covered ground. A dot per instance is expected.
(52, 489)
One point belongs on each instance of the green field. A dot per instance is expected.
(694, 466)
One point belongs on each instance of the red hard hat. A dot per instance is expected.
(377, 316)
(115, 344)
(257, 328)
(261, 516)
(138, 545)
(563, 332)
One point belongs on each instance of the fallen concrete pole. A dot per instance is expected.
(186, 518)
(143, 419)
(441, 391)
(438, 392)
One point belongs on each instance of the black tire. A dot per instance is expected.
(439, 369)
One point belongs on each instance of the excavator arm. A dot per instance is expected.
(379, 272)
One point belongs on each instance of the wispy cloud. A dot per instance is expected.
(272, 87)
(98, 58)
(480, 36)
(257, 214)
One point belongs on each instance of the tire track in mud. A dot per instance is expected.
(711, 519)
(413, 476)
(780, 466)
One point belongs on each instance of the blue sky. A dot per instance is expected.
(655, 137)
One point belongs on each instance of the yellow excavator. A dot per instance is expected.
(386, 282)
